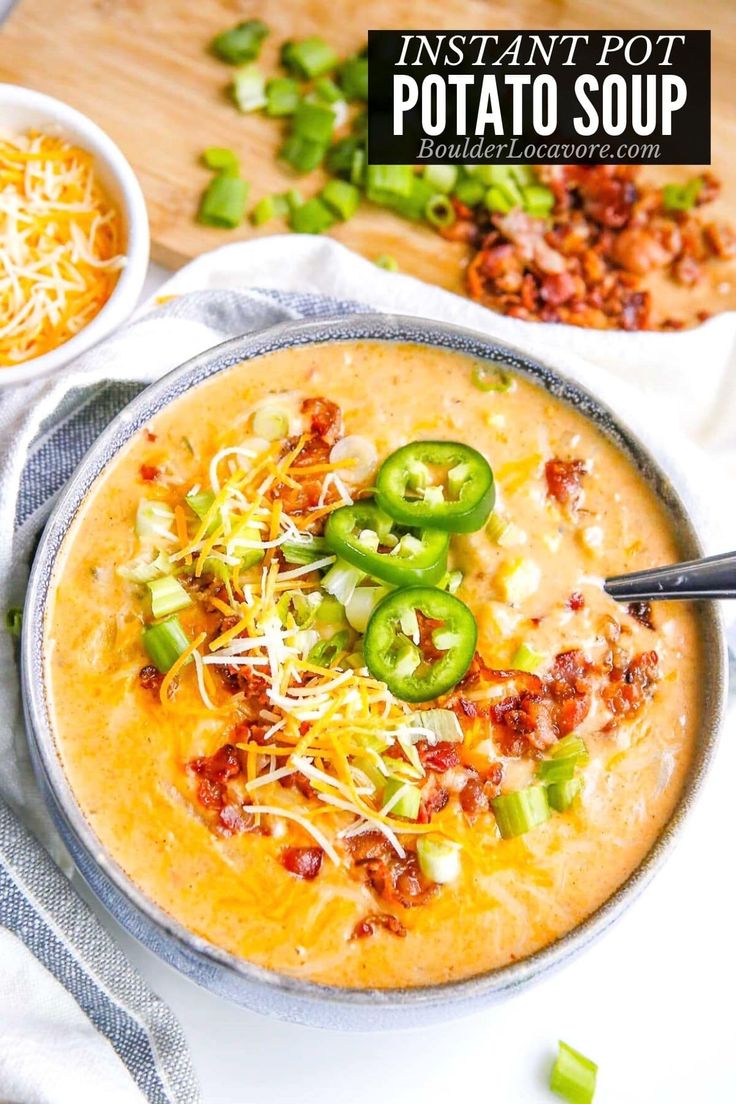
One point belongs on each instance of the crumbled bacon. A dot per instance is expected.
(367, 847)
(438, 757)
(392, 878)
(211, 793)
(564, 478)
(368, 925)
(721, 239)
(325, 418)
(473, 797)
(298, 781)
(630, 687)
(149, 435)
(434, 799)
(641, 612)
(150, 678)
(233, 821)
(149, 472)
(304, 862)
(576, 601)
(223, 765)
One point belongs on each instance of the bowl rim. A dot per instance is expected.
(132, 207)
(264, 990)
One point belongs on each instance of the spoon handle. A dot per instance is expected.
(713, 577)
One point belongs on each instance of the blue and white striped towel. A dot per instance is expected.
(76, 1020)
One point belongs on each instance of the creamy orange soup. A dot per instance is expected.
(310, 872)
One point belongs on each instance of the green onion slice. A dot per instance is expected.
(241, 43)
(573, 1076)
(312, 217)
(439, 858)
(341, 197)
(167, 596)
(519, 812)
(165, 642)
(282, 97)
(271, 423)
(223, 203)
(385, 260)
(491, 377)
(221, 159)
(439, 211)
(14, 621)
(310, 58)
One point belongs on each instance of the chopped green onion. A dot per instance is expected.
(538, 200)
(304, 552)
(470, 192)
(249, 89)
(341, 197)
(413, 206)
(407, 804)
(442, 722)
(167, 596)
(439, 858)
(223, 203)
(361, 605)
(273, 206)
(358, 167)
(490, 377)
(218, 568)
(312, 217)
(570, 745)
(496, 527)
(353, 77)
(293, 199)
(14, 621)
(523, 175)
(330, 612)
(242, 546)
(681, 197)
(153, 521)
(562, 794)
(406, 660)
(443, 178)
(502, 199)
(451, 581)
(143, 570)
(339, 158)
(341, 581)
(200, 504)
(314, 122)
(221, 160)
(326, 89)
(302, 153)
(165, 642)
(368, 768)
(271, 423)
(573, 1076)
(282, 97)
(310, 58)
(557, 770)
(526, 658)
(439, 211)
(389, 180)
(326, 652)
(518, 812)
(385, 260)
(241, 43)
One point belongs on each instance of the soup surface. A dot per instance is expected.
(245, 765)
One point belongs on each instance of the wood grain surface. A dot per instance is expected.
(141, 69)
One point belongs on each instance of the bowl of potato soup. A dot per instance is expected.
(322, 685)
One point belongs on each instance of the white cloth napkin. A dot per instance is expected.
(674, 390)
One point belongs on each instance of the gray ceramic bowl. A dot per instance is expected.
(230, 977)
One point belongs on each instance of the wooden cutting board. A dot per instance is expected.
(141, 69)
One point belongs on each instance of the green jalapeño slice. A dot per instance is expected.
(420, 641)
(441, 484)
(369, 539)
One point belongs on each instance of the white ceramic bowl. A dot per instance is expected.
(21, 109)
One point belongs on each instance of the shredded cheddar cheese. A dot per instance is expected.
(60, 245)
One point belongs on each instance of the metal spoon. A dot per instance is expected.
(712, 577)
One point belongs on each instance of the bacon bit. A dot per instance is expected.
(438, 757)
(434, 799)
(400, 880)
(721, 239)
(641, 612)
(211, 794)
(233, 821)
(298, 781)
(631, 686)
(367, 847)
(325, 417)
(149, 435)
(473, 798)
(576, 601)
(224, 764)
(304, 862)
(367, 926)
(150, 678)
(149, 472)
(564, 478)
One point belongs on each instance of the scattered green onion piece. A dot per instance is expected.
(249, 89)
(442, 722)
(523, 175)
(562, 794)
(519, 812)
(273, 206)
(361, 605)
(443, 178)
(153, 521)
(496, 527)
(217, 568)
(538, 200)
(681, 197)
(304, 552)
(439, 858)
(200, 504)
(489, 377)
(339, 157)
(241, 546)
(293, 199)
(552, 771)
(573, 1076)
(470, 192)
(165, 642)
(326, 652)
(439, 211)
(223, 203)
(282, 97)
(242, 43)
(353, 77)
(330, 612)
(367, 767)
(405, 806)
(310, 58)
(498, 199)
(570, 745)
(341, 197)
(414, 205)
(389, 180)
(312, 217)
(14, 621)
(451, 581)
(314, 122)
(358, 167)
(143, 570)
(526, 658)
(302, 153)
(222, 160)
(385, 260)
(407, 659)
(341, 580)
(326, 89)
(271, 423)
(167, 596)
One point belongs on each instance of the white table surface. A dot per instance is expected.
(652, 1002)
